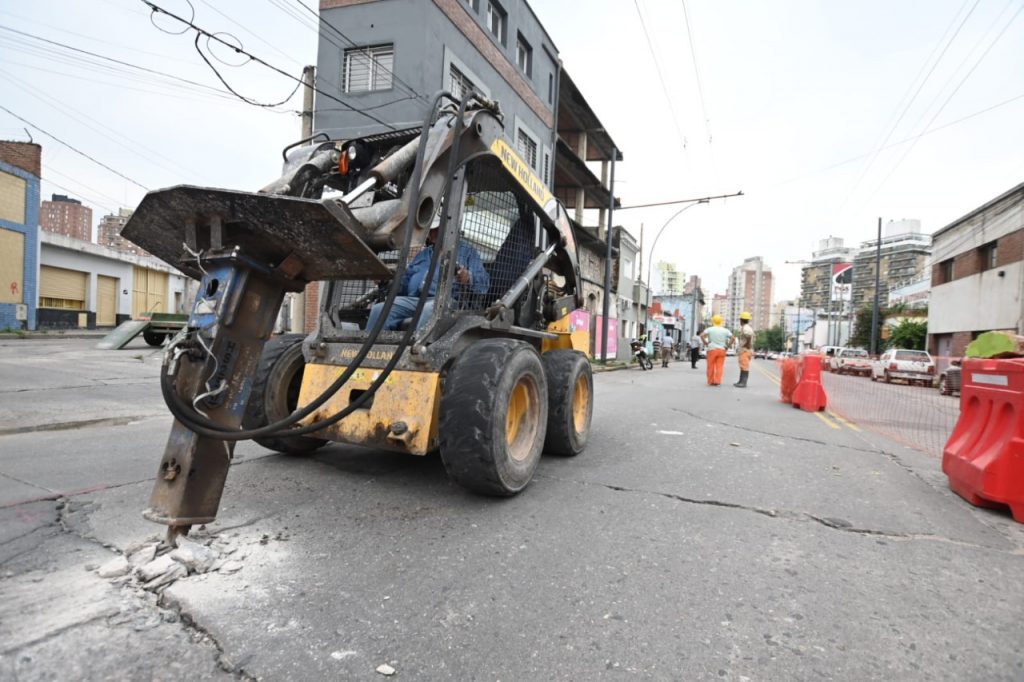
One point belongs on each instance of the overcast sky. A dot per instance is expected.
(827, 115)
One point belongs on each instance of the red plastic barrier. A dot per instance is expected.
(790, 369)
(984, 457)
(810, 394)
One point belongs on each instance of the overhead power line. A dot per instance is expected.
(109, 59)
(934, 61)
(74, 149)
(661, 77)
(696, 72)
(952, 94)
(214, 37)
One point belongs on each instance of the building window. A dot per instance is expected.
(524, 56)
(474, 5)
(989, 253)
(527, 146)
(368, 68)
(551, 88)
(546, 170)
(496, 21)
(945, 271)
(459, 83)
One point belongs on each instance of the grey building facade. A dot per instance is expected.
(387, 58)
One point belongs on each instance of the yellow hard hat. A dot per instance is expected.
(716, 320)
(745, 316)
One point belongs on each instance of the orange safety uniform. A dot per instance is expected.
(717, 339)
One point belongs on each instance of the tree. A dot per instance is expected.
(910, 333)
(773, 339)
(861, 337)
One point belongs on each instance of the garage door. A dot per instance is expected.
(106, 301)
(61, 288)
(150, 292)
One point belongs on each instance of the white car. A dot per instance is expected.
(851, 361)
(912, 366)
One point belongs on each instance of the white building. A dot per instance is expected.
(85, 285)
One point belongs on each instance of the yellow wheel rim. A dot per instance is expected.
(523, 418)
(580, 403)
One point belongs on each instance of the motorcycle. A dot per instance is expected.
(640, 353)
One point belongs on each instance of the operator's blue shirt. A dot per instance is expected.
(412, 280)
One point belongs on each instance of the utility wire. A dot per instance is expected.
(920, 86)
(252, 33)
(946, 102)
(115, 136)
(74, 149)
(211, 36)
(696, 72)
(661, 77)
(108, 59)
(897, 143)
(247, 100)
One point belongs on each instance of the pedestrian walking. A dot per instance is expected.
(745, 350)
(694, 347)
(667, 342)
(717, 338)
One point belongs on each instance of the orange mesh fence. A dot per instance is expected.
(918, 410)
(916, 405)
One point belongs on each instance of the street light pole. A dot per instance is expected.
(796, 331)
(650, 261)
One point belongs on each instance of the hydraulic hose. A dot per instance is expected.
(207, 428)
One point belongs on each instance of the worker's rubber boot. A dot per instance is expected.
(742, 383)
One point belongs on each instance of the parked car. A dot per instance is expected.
(828, 352)
(949, 379)
(851, 361)
(912, 366)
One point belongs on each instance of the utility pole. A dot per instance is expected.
(608, 261)
(878, 284)
(796, 330)
(298, 304)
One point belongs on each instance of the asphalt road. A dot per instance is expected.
(706, 533)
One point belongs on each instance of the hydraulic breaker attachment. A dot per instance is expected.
(248, 250)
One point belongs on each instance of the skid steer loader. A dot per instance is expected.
(490, 378)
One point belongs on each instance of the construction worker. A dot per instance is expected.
(717, 338)
(745, 349)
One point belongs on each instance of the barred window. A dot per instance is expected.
(527, 146)
(460, 85)
(368, 68)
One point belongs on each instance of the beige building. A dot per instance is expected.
(66, 216)
(750, 289)
(816, 276)
(904, 256)
(109, 232)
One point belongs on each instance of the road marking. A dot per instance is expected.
(671, 433)
(770, 376)
(844, 422)
(825, 419)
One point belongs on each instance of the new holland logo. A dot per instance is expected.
(521, 171)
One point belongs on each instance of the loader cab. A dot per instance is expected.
(491, 217)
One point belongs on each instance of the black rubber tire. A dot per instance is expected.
(888, 379)
(565, 370)
(155, 339)
(944, 387)
(275, 393)
(475, 403)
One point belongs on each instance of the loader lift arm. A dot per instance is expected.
(249, 249)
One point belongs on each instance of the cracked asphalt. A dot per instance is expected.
(706, 533)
